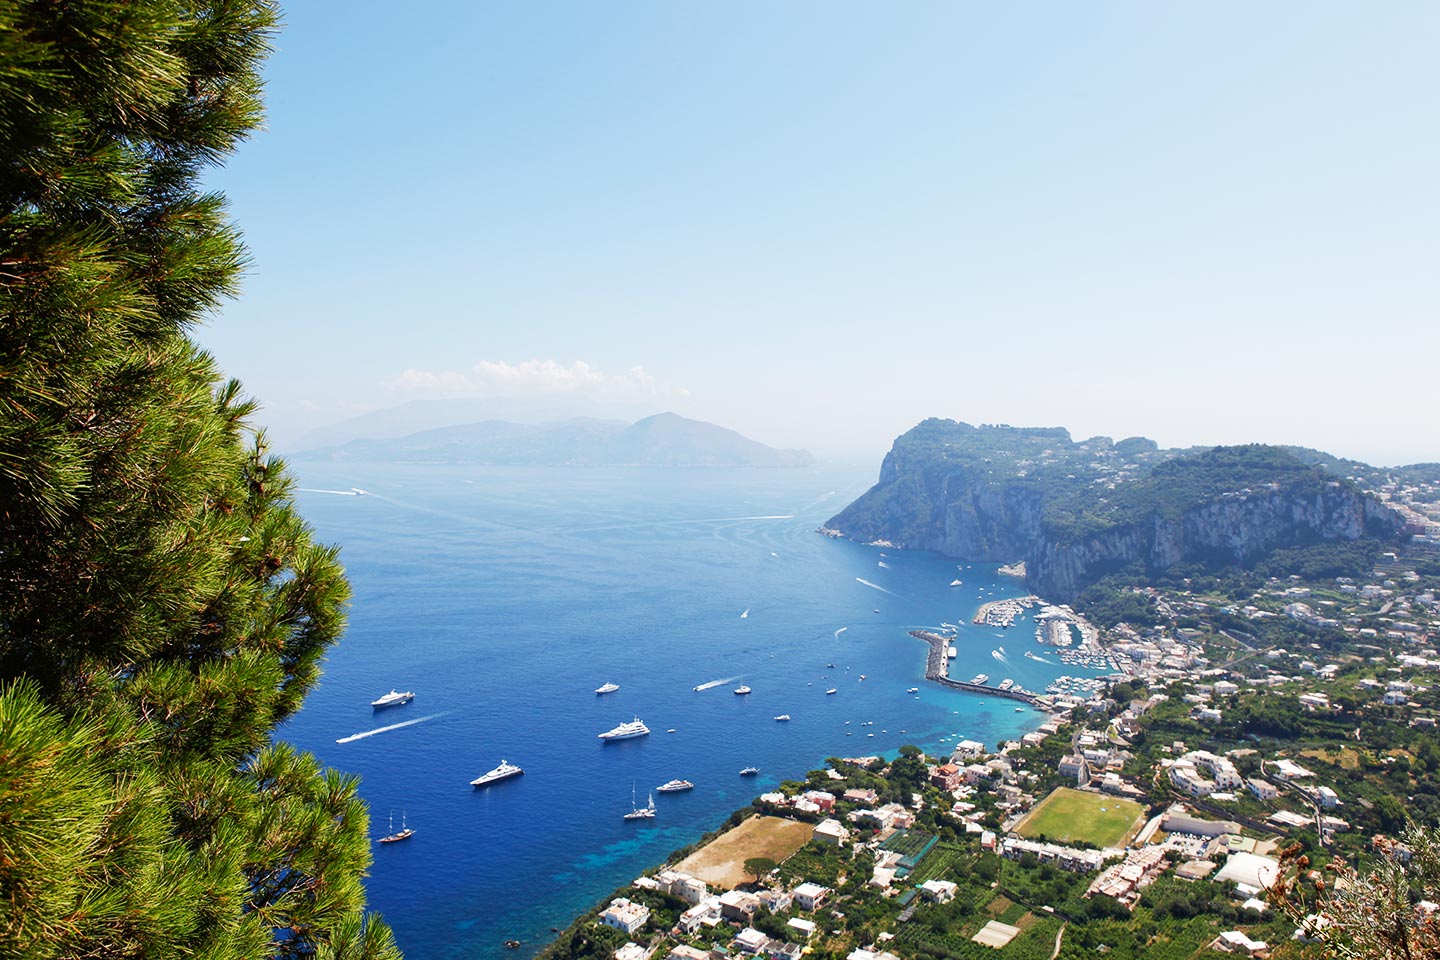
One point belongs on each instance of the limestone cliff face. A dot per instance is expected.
(1237, 530)
(983, 494)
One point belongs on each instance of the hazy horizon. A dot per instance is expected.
(822, 223)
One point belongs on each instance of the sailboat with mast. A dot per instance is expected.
(640, 813)
(405, 832)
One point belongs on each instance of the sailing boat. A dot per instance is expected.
(405, 832)
(640, 813)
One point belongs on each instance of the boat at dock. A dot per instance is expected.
(675, 786)
(392, 699)
(505, 771)
(1006, 684)
(749, 771)
(980, 679)
(741, 691)
(394, 836)
(783, 718)
(626, 731)
(607, 688)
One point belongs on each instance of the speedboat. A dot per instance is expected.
(741, 691)
(862, 676)
(392, 699)
(783, 717)
(675, 786)
(505, 771)
(607, 688)
(913, 690)
(749, 771)
(626, 731)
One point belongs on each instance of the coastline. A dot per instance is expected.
(937, 671)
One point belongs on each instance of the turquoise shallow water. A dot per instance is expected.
(504, 596)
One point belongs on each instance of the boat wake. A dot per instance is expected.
(875, 586)
(715, 683)
(394, 726)
(840, 631)
(998, 655)
(352, 492)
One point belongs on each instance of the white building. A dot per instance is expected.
(940, 891)
(830, 831)
(808, 895)
(625, 915)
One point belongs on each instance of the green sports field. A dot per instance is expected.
(1067, 815)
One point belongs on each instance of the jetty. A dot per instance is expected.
(937, 668)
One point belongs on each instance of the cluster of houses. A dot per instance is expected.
(707, 909)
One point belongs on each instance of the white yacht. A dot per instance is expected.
(980, 679)
(830, 692)
(393, 699)
(626, 731)
(675, 786)
(607, 688)
(913, 690)
(505, 771)
(783, 718)
(741, 691)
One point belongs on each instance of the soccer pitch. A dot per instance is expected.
(1068, 815)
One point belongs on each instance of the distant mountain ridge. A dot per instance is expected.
(662, 440)
(1077, 511)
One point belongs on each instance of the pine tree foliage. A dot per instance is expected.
(162, 604)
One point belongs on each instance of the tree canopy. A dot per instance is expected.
(162, 603)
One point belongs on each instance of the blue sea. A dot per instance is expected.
(503, 596)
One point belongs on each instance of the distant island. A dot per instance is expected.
(662, 440)
(1077, 512)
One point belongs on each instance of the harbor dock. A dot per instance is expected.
(937, 668)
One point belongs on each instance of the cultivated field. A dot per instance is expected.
(1068, 815)
(721, 862)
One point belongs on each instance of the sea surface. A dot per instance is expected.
(503, 596)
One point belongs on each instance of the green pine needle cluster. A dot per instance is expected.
(162, 604)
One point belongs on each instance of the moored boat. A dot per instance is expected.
(784, 717)
(505, 771)
(640, 813)
(626, 731)
(749, 771)
(741, 691)
(675, 786)
(607, 688)
(395, 836)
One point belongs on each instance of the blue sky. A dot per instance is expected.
(819, 223)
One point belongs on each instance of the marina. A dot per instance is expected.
(937, 670)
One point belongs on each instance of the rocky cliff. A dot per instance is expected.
(1076, 511)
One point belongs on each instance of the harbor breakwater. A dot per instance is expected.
(937, 668)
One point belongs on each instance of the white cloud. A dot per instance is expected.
(534, 378)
